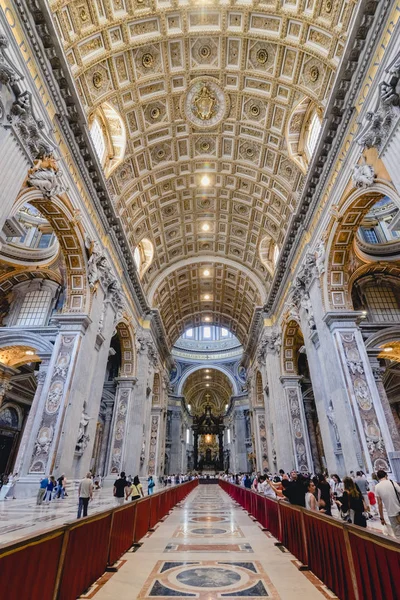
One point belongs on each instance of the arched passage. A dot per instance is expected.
(60, 214)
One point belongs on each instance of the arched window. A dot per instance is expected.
(381, 224)
(32, 303)
(99, 142)
(379, 296)
(143, 256)
(313, 135)
(269, 253)
(34, 308)
(108, 134)
(276, 255)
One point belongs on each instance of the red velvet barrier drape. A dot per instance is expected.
(272, 517)
(327, 556)
(292, 531)
(86, 557)
(30, 572)
(142, 518)
(377, 567)
(121, 538)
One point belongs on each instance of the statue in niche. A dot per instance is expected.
(83, 437)
(332, 420)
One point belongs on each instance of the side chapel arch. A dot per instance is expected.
(62, 218)
(128, 357)
(343, 231)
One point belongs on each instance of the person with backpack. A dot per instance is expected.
(387, 493)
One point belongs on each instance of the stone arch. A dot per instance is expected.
(128, 354)
(343, 229)
(63, 219)
(21, 339)
(11, 406)
(292, 342)
(217, 367)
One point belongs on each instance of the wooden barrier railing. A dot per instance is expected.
(62, 563)
(353, 562)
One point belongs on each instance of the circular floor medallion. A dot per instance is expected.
(208, 531)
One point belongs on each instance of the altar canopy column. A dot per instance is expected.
(281, 433)
(299, 435)
(119, 459)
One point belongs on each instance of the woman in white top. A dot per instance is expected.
(311, 501)
(267, 488)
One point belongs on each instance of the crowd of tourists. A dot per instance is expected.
(356, 498)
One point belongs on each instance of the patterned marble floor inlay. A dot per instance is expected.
(218, 554)
(202, 579)
(208, 548)
(217, 532)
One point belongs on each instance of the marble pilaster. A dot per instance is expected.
(41, 375)
(362, 391)
(394, 431)
(118, 459)
(281, 431)
(106, 441)
(299, 431)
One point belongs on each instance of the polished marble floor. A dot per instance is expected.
(20, 518)
(222, 555)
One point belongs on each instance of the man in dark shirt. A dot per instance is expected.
(119, 488)
(295, 491)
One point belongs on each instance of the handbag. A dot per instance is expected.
(397, 517)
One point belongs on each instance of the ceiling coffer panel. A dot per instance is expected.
(205, 90)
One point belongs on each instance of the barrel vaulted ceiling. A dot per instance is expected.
(206, 87)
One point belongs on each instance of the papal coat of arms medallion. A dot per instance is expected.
(205, 104)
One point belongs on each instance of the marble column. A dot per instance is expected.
(135, 450)
(299, 432)
(378, 372)
(119, 460)
(39, 455)
(310, 415)
(240, 441)
(176, 445)
(342, 445)
(279, 406)
(363, 395)
(155, 440)
(106, 441)
(260, 431)
(40, 375)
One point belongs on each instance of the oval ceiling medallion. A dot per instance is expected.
(205, 104)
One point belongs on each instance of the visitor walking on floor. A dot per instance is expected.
(120, 485)
(42, 490)
(150, 485)
(387, 493)
(51, 484)
(135, 491)
(85, 493)
(352, 505)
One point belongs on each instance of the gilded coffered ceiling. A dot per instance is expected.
(222, 89)
(207, 386)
